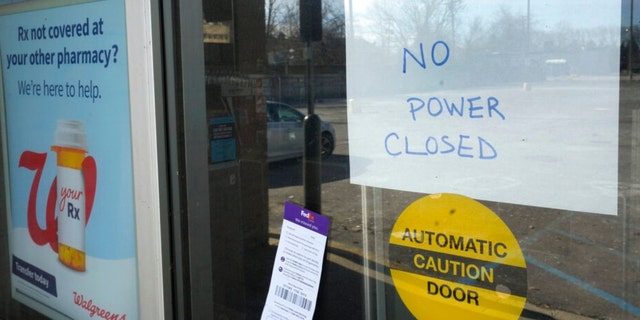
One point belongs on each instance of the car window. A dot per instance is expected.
(289, 114)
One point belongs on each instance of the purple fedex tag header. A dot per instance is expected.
(306, 218)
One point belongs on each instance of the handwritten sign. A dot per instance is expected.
(522, 112)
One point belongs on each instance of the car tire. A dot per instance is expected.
(327, 144)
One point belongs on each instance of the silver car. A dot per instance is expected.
(285, 133)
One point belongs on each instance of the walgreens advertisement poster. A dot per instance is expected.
(68, 138)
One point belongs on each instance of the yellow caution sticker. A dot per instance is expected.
(453, 258)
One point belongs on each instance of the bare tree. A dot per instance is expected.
(331, 50)
(283, 30)
(281, 18)
(405, 22)
(272, 9)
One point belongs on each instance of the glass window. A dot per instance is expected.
(524, 81)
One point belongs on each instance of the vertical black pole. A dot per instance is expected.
(311, 30)
(312, 164)
(312, 179)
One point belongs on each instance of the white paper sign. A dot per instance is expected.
(498, 101)
(297, 267)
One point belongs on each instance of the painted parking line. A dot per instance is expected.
(620, 303)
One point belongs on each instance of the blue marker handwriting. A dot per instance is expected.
(439, 55)
(472, 107)
(429, 108)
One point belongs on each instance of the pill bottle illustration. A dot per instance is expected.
(71, 147)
